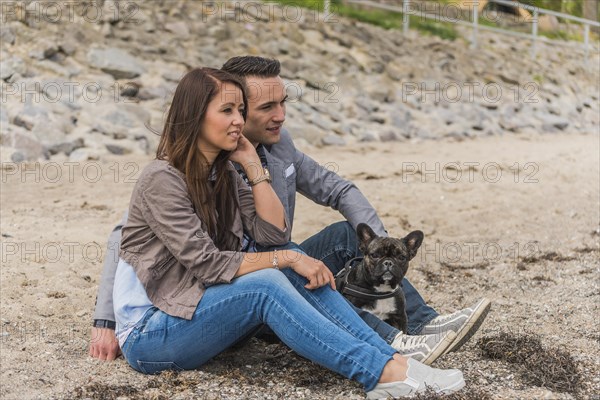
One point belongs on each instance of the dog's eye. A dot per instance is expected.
(375, 255)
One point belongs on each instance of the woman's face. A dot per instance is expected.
(223, 122)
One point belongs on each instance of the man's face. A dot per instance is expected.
(266, 109)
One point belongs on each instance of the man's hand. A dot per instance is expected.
(104, 344)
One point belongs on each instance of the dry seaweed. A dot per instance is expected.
(549, 256)
(100, 391)
(468, 393)
(459, 267)
(539, 365)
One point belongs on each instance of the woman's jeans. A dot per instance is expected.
(317, 324)
(337, 244)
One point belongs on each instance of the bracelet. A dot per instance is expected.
(260, 179)
(275, 260)
(104, 323)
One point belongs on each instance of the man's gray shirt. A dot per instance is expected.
(291, 171)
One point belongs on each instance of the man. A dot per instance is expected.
(293, 171)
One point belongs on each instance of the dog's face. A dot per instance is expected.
(385, 258)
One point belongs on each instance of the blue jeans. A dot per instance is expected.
(317, 324)
(337, 244)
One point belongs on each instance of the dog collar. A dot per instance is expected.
(341, 282)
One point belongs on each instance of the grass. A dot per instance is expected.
(393, 20)
(382, 18)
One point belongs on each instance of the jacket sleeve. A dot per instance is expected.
(104, 299)
(325, 187)
(169, 212)
(265, 233)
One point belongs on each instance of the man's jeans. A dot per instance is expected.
(337, 244)
(317, 324)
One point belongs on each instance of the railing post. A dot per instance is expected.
(326, 8)
(534, 33)
(405, 16)
(475, 24)
(586, 41)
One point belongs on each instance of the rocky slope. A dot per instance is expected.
(81, 81)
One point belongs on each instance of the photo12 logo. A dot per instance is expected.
(454, 92)
(469, 252)
(255, 11)
(69, 172)
(469, 171)
(70, 11)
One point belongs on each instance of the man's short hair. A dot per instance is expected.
(245, 66)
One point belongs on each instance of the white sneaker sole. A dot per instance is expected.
(471, 326)
(440, 349)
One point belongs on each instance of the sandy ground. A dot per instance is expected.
(484, 205)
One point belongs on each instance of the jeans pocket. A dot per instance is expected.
(154, 367)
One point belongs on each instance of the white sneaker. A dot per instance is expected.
(419, 378)
(423, 348)
(464, 323)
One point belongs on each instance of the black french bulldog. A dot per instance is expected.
(374, 283)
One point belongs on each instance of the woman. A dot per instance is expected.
(184, 291)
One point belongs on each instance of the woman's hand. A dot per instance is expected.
(312, 269)
(246, 156)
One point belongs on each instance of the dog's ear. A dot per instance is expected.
(365, 234)
(413, 241)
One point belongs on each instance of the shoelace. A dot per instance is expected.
(412, 341)
(443, 318)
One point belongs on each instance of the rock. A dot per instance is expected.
(378, 118)
(174, 74)
(83, 154)
(118, 120)
(509, 80)
(553, 123)
(179, 28)
(333, 140)
(366, 104)
(68, 46)
(220, 33)
(294, 34)
(313, 79)
(367, 137)
(397, 72)
(548, 23)
(7, 35)
(54, 130)
(17, 157)
(111, 12)
(322, 122)
(27, 146)
(66, 147)
(389, 135)
(130, 89)
(31, 115)
(11, 66)
(160, 92)
(117, 149)
(116, 62)
(43, 49)
(515, 123)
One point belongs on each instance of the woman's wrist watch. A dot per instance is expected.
(266, 176)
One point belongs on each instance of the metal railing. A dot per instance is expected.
(476, 26)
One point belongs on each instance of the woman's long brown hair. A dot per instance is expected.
(179, 145)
